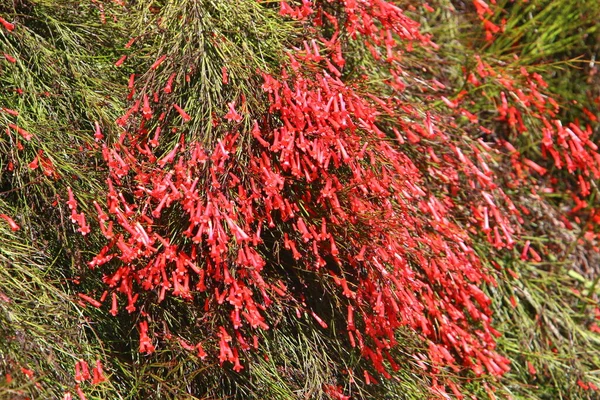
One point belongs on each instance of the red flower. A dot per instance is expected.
(10, 58)
(120, 61)
(13, 225)
(232, 115)
(90, 300)
(98, 134)
(26, 135)
(182, 113)
(145, 342)
(158, 62)
(98, 373)
(224, 75)
(27, 372)
(169, 86)
(146, 110)
(7, 25)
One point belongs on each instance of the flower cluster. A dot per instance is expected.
(326, 179)
(567, 146)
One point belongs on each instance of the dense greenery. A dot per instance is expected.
(464, 86)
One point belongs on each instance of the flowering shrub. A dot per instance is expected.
(343, 171)
(324, 180)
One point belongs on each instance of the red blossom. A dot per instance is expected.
(120, 61)
(182, 113)
(10, 58)
(13, 225)
(7, 25)
(26, 135)
(158, 62)
(233, 115)
(98, 373)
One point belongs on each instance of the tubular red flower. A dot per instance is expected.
(120, 61)
(158, 62)
(11, 223)
(182, 113)
(7, 25)
(10, 58)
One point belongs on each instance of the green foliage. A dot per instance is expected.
(65, 68)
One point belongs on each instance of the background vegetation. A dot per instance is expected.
(61, 82)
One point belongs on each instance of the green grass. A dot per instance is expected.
(62, 48)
